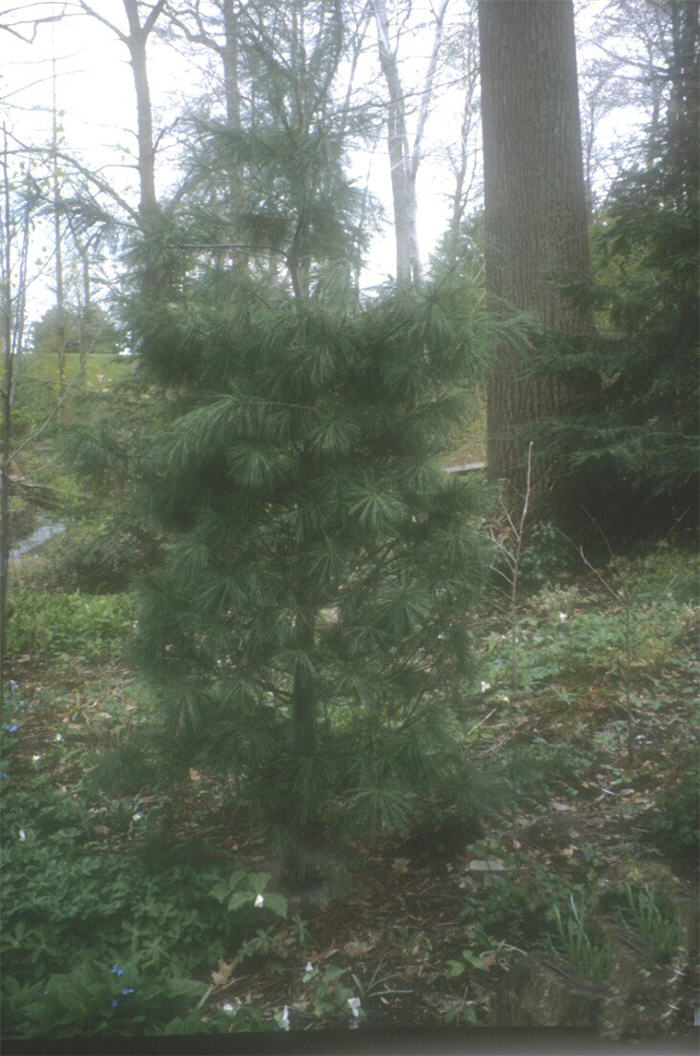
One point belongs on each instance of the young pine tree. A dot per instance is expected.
(307, 632)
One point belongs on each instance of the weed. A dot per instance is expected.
(654, 919)
(65, 626)
(331, 998)
(68, 901)
(491, 951)
(106, 998)
(676, 825)
(578, 939)
(375, 987)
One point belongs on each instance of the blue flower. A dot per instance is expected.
(129, 990)
(115, 1003)
(117, 969)
(12, 727)
(14, 686)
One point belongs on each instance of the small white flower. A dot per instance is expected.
(485, 686)
(22, 835)
(137, 816)
(355, 1004)
(562, 616)
(59, 737)
(283, 1018)
(36, 758)
(309, 972)
(228, 1007)
(259, 903)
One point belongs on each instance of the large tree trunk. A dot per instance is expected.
(536, 217)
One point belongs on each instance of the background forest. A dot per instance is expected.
(347, 630)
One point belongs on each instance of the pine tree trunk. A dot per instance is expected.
(536, 216)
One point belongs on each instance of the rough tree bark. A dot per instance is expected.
(535, 213)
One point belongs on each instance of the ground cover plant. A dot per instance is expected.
(589, 851)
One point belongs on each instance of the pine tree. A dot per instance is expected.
(308, 630)
(631, 450)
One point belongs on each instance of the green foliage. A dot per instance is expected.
(630, 441)
(545, 557)
(122, 769)
(645, 910)
(69, 902)
(541, 765)
(561, 649)
(676, 822)
(333, 998)
(95, 999)
(577, 937)
(307, 626)
(102, 558)
(97, 332)
(513, 908)
(68, 625)
(37, 386)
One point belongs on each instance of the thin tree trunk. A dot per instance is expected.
(6, 436)
(58, 254)
(136, 42)
(404, 159)
(535, 212)
(85, 314)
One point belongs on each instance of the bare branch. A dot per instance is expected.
(33, 22)
(100, 18)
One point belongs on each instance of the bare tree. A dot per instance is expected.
(141, 19)
(404, 153)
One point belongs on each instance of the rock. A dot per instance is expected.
(540, 991)
(486, 865)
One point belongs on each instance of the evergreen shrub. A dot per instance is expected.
(308, 630)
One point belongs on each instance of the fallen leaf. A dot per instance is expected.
(357, 948)
(222, 975)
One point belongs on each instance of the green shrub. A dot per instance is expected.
(539, 765)
(546, 555)
(123, 769)
(68, 899)
(95, 998)
(676, 823)
(102, 559)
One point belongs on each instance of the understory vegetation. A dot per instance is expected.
(142, 896)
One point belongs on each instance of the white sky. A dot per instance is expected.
(96, 101)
